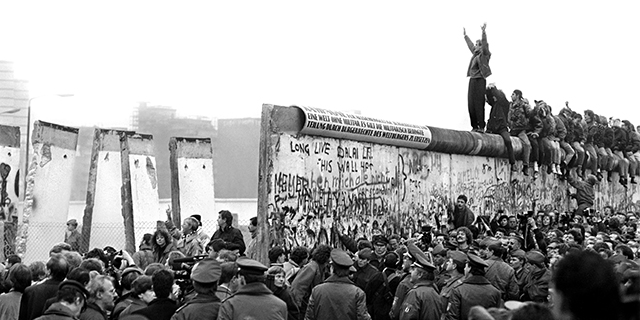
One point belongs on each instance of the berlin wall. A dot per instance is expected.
(48, 190)
(321, 169)
(191, 164)
(9, 187)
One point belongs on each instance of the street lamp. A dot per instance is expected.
(26, 171)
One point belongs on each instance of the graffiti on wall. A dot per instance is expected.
(9, 191)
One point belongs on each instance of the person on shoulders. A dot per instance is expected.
(232, 237)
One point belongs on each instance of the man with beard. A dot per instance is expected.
(462, 215)
(422, 301)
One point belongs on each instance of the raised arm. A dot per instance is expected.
(467, 40)
(485, 44)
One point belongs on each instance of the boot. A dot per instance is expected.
(633, 180)
(580, 172)
(514, 167)
(550, 169)
(535, 166)
(599, 175)
(525, 170)
(623, 182)
(609, 174)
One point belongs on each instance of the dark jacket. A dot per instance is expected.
(73, 239)
(232, 237)
(462, 218)
(548, 124)
(483, 56)
(519, 115)
(93, 312)
(621, 139)
(536, 285)
(401, 292)
(160, 254)
(364, 275)
(634, 142)
(565, 117)
(159, 309)
(311, 275)
(380, 293)
(593, 134)
(34, 298)
(561, 130)
(284, 293)
(57, 312)
(143, 257)
(535, 123)
(474, 291)
(502, 276)
(253, 301)
(584, 191)
(498, 118)
(203, 306)
(608, 137)
(579, 133)
(337, 298)
(422, 303)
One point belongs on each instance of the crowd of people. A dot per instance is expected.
(530, 266)
(558, 143)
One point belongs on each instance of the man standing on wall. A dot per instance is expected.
(462, 215)
(478, 72)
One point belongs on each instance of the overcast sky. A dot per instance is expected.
(397, 60)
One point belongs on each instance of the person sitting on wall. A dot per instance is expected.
(462, 215)
(232, 237)
(498, 120)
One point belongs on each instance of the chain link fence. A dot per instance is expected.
(43, 236)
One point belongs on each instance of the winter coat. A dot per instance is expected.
(474, 291)
(190, 245)
(519, 115)
(463, 218)
(284, 293)
(401, 292)
(35, 297)
(548, 125)
(364, 275)
(337, 298)
(380, 295)
(93, 312)
(253, 301)
(579, 133)
(57, 312)
(422, 303)
(73, 239)
(634, 142)
(143, 257)
(483, 56)
(232, 237)
(536, 286)
(561, 129)
(499, 116)
(593, 134)
(502, 276)
(161, 254)
(608, 138)
(621, 139)
(565, 117)
(159, 309)
(535, 122)
(311, 275)
(203, 306)
(584, 191)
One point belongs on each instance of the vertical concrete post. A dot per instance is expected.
(141, 178)
(48, 190)
(9, 187)
(264, 182)
(125, 194)
(191, 162)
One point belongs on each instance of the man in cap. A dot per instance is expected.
(365, 271)
(536, 284)
(338, 297)
(71, 300)
(380, 244)
(253, 300)
(439, 255)
(455, 269)
(499, 273)
(422, 301)
(205, 305)
(72, 236)
(475, 290)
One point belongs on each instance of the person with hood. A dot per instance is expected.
(498, 119)
(478, 72)
(519, 110)
(162, 244)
